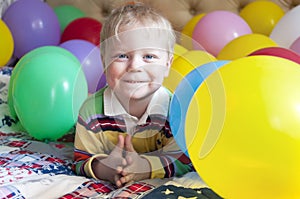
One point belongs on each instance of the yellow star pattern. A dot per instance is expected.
(167, 192)
(181, 197)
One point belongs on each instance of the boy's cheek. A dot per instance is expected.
(107, 61)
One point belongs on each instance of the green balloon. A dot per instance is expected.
(10, 103)
(48, 90)
(66, 14)
(36, 52)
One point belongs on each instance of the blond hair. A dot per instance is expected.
(133, 14)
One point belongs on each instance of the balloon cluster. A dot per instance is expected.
(242, 122)
(58, 64)
(27, 25)
(235, 108)
(224, 35)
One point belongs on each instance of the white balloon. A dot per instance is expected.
(287, 29)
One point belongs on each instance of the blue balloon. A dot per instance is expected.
(182, 97)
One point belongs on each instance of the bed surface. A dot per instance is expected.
(34, 169)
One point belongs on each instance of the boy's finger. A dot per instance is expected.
(124, 162)
(125, 172)
(127, 178)
(129, 160)
(120, 143)
(128, 144)
(118, 182)
(119, 170)
(120, 146)
(120, 163)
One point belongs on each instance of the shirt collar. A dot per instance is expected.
(159, 104)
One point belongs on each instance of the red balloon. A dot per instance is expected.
(84, 28)
(278, 52)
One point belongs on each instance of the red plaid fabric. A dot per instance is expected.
(103, 189)
(135, 190)
(90, 189)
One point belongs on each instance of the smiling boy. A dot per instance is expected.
(123, 133)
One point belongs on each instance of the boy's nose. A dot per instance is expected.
(135, 63)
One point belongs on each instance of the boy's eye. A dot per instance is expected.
(148, 56)
(122, 56)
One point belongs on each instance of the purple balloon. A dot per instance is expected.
(102, 82)
(33, 24)
(79, 48)
(89, 56)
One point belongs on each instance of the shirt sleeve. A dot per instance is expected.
(169, 161)
(86, 144)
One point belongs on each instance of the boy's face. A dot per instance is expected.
(137, 63)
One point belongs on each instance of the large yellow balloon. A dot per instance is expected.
(262, 16)
(6, 44)
(187, 31)
(246, 140)
(244, 45)
(184, 64)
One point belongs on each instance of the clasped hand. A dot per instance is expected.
(124, 164)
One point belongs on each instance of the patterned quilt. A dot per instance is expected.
(33, 169)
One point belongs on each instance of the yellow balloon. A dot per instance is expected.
(187, 31)
(7, 44)
(262, 16)
(244, 45)
(178, 51)
(246, 141)
(184, 64)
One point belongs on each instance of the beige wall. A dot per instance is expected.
(179, 12)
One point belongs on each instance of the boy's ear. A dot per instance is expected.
(103, 63)
(169, 63)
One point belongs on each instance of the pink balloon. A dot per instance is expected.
(216, 29)
(296, 45)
